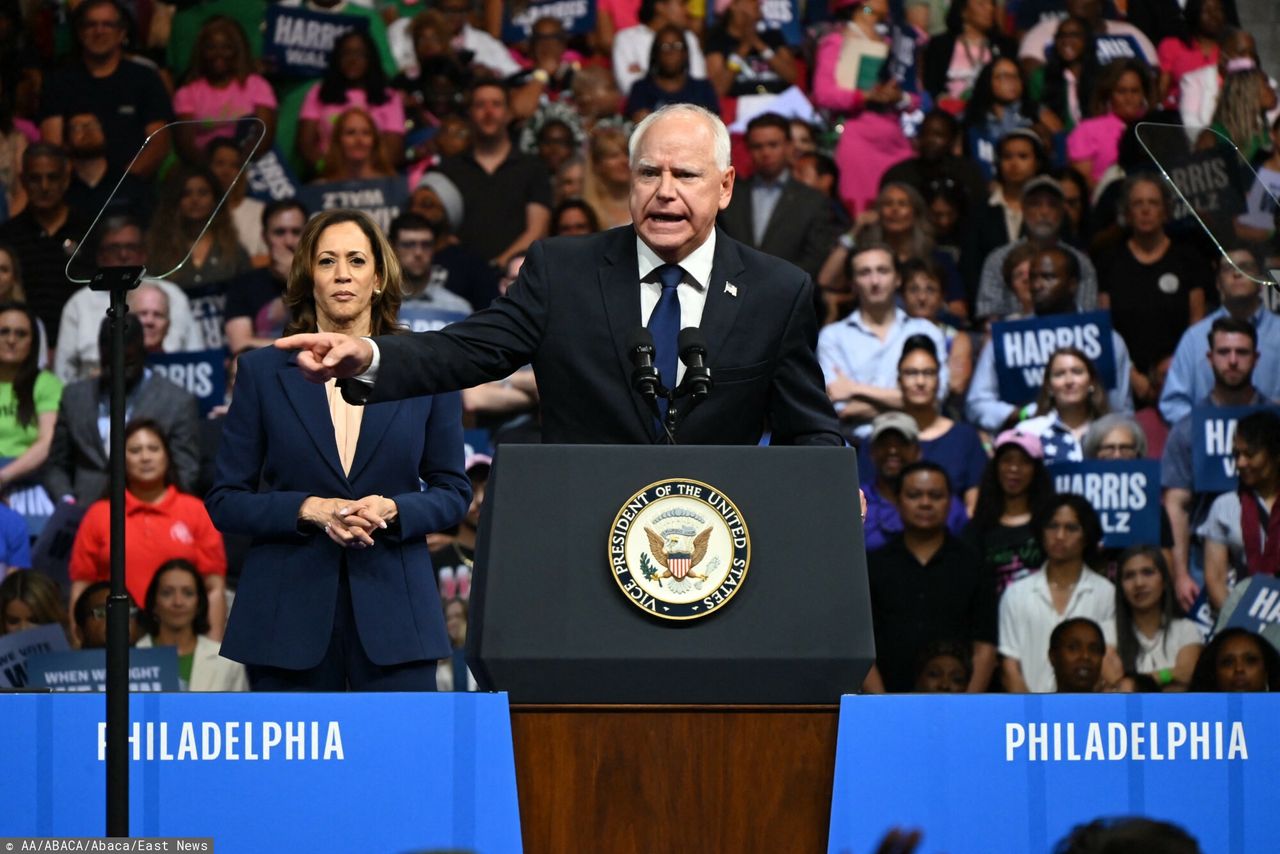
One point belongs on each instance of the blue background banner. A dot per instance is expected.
(154, 669)
(1126, 494)
(202, 373)
(421, 316)
(411, 771)
(297, 42)
(380, 198)
(1213, 429)
(1023, 348)
(577, 16)
(948, 766)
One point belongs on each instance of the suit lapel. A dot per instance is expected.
(373, 425)
(312, 408)
(620, 292)
(785, 199)
(725, 293)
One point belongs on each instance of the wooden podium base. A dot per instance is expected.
(654, 779)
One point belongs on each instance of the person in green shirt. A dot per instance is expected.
(29, 397)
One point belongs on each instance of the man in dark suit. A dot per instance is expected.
(773, 212)
(578, 299)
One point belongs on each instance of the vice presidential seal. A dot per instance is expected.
(679, 549)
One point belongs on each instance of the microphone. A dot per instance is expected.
(697, 376)
(644, 375)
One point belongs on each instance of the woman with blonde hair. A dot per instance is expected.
(1072, 397)
(354, 152)
(607, 183)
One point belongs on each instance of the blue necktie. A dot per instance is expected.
(664, 324)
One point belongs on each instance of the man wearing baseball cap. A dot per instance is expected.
(895, 442)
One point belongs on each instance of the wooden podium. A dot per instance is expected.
(633, 779)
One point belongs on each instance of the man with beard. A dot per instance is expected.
(91, 183)
(1233, 359)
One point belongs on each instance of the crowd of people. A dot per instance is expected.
(935, 168)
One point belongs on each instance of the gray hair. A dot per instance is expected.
(150, 285)
(719, 132)
(1099, 429)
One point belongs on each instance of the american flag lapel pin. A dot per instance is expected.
(731, 289)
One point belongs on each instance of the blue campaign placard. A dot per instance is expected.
(203, 373)
(423, 317)
(1000, 772)
(577, 16)
(1023, 348)
(781, 15)
(380, 198)
(1213, 431)
(296, 42)
(154, 669)
(18, 648)
(272, 772)
(1259, 607)
(1126, 494)
(270, 178)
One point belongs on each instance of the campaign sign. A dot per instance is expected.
(577, 16)
(154, 669)
(781, 15)
(1211, 183)
(424, 317)
(272, 771)
(1023, 348)
(270, 177)
(1213, 432)
(297, 42)
(208, 310)
(1259, 607)
(1007, 772)
(18, 648)
(1126, 494)
(203, 373)
(380, 198)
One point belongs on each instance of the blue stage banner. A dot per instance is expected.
(1126, 494)
(297, 42)
(1023, 348)
(203, 373)
(154, 669)
(18, 648)
(1213, 430)
(998, 772)
(423, 317)
(272, 772)
(380, 198)
(577, 16)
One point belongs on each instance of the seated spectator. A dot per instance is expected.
(161, 523)
(220, 86)
(177, 613)
(1065, 587)
(596, 95)
(413, 239)
(432, 84)
(570, 179)
(607, 183)
(632, 47)
(28, 402)
(1054, 284)
(94, 186)
(946, 667)
(29, 599)
(120, 244)
(1240, 118)
(1013, 484)
(354, 78)
(188, 198)
(1237, 660)
(1242, 533)
(438, 200)
(1075, 201)
(744, 58)
(551, 65)
(573, 218)
(1043, 218)
(953, 59)
(817, 170)
(225, 159)
(353, 151)
(894, 445)
(1019, 157)
(151, 304)
(922, 298)
(554, 134)
(1000, 103)
(1122, 97)
(90, 615)
(255, 312)
(1110, 37)
(1151, 639)
(489, 56)
(1155, 288)
(1062, 85)
(668, 80)
(926, 586)
(859, 355)
(1205, 23)
(77, 465)
(937, 159)
(1072, 397)
(948, 212)
(1076, 648)
(452, 673)
(1114, 437)
(1201, 89)
(1258, 221)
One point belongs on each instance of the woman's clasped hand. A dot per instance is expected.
(350, 524)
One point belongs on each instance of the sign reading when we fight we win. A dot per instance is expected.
(1022, 349)
(1213, 433)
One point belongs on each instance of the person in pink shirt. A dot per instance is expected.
(1121, 98)
(1206, 21)
(354, 79)
(220, 86)
(847, 80)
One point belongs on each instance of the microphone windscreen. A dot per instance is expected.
(639, 337)
(691, 338)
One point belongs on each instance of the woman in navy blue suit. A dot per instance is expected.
(337, 592)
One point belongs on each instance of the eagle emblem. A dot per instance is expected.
(678, 551)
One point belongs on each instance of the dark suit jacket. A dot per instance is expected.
(77, 462)
(277, 449)
(800, 231)
(569, 314)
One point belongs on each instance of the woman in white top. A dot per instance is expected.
(1071, 398)
(176, 614)
(1150, 637)
(1065, 587)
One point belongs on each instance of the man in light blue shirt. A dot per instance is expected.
(1190, 376)
(859, 355)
